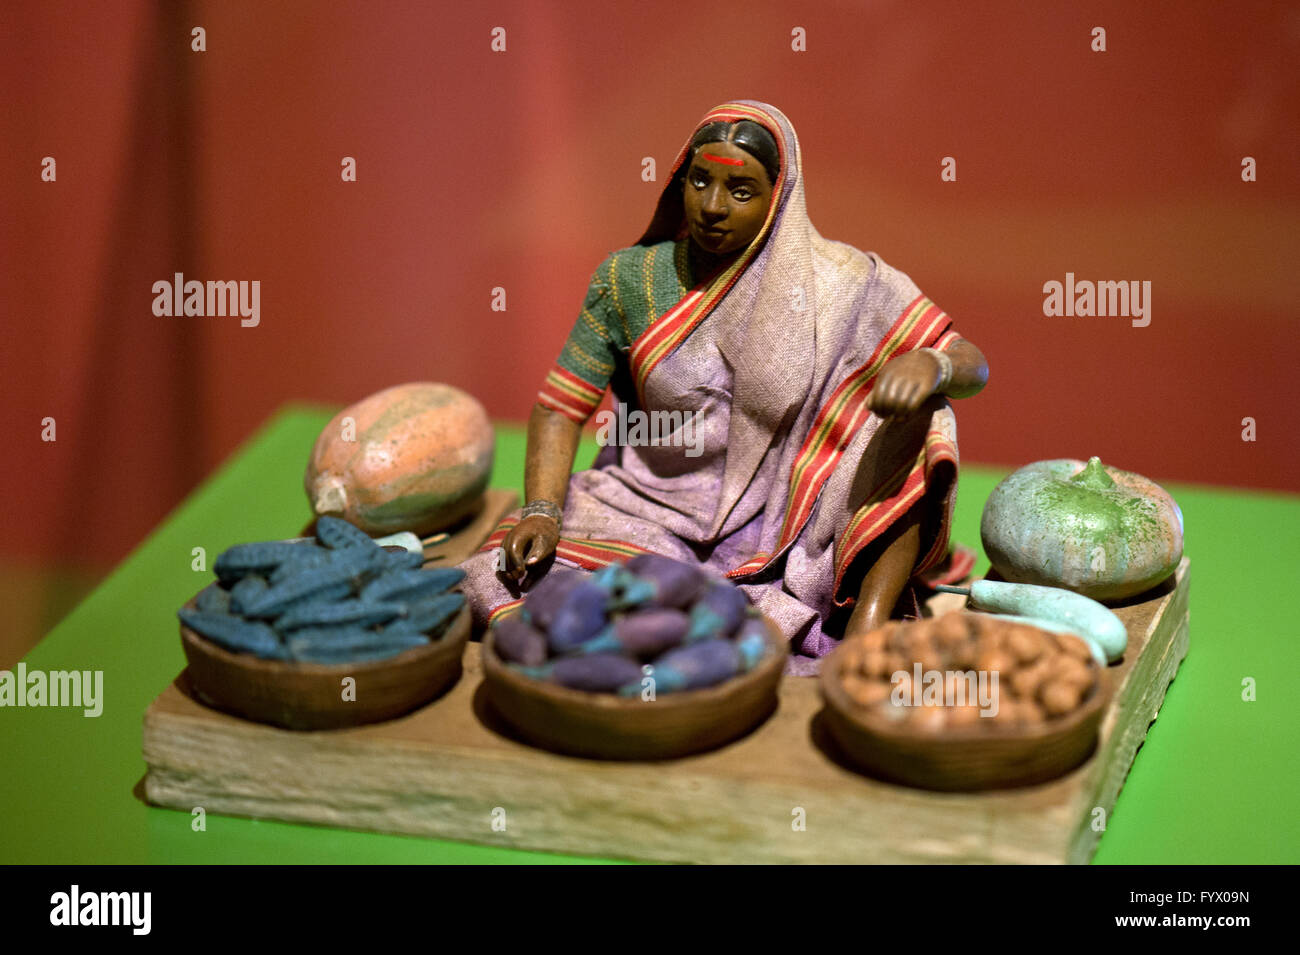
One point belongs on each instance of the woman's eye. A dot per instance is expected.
(744, 195)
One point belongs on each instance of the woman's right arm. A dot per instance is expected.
(571, 392)
(552, 445)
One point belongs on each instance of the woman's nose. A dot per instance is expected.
(715, 203)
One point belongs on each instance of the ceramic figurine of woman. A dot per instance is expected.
(809, 452)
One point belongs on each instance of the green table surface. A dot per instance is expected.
(1217, 780)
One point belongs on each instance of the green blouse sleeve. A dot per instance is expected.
(577, 382)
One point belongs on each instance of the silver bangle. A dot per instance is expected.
(543, 507)
(945, 367)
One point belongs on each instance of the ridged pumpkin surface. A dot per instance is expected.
(1093, 529)
(414, 457)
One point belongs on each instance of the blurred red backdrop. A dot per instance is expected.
(522, 169)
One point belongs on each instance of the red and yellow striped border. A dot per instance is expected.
(568, 394)
(960, 563)
(504, 610)
(657, 341)
(663, 336)
(921, 325)
(588, 553)
(891, 501)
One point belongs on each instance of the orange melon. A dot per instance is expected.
(414, 457)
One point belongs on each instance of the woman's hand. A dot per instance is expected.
(552, 443)
(529, 542)
(905, 383)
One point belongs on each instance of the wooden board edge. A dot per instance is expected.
(1035, 839)
(1131, 720)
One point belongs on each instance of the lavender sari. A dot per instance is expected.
(791, 481)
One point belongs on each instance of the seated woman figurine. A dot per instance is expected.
(810, 451)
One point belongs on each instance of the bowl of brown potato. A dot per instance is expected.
(965, 701)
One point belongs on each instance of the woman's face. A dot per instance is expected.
(725, 194)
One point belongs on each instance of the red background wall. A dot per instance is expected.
(522, 170)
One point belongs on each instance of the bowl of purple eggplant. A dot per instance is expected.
(650, 659)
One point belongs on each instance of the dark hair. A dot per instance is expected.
(746, 134)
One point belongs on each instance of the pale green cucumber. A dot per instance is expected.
(1080, 614)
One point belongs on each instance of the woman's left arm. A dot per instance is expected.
(906, 382)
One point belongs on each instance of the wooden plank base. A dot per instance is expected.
(452, 771)
(468, 537)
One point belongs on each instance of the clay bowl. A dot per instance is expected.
(605, 726)
(957, 759)
(308, 696)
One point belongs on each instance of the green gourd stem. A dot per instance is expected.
(1094, 476)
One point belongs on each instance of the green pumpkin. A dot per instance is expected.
(1096, 530)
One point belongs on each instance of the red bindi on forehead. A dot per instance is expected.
(723, 159)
